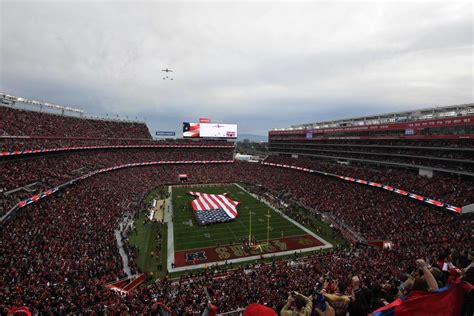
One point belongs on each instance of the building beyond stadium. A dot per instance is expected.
(439, 139)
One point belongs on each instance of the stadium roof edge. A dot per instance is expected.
(401, 116)
(11, 100)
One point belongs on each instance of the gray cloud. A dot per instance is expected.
(261, 65)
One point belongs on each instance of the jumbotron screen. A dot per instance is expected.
(209, 130)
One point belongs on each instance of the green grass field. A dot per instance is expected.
(188, 235)
(146, 243)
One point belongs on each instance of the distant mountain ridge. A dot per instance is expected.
(252, 138)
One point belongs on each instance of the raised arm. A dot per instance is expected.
(430, 279)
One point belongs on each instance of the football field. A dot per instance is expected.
(194, 244)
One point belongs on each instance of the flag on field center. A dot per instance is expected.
(443, 302)
(213, 208)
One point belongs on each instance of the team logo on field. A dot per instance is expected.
(196, 256)
(305, 242)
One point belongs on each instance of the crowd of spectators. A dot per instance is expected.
(58, 253)
(453, 155)
(465, 165)
(17, 122)
(405, 142)
(8, 144)
(435, 153)
(29, 130)
(459, 192)
(52, 170)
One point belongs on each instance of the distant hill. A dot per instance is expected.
(252, 138)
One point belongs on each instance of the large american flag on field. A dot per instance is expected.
(213, 208)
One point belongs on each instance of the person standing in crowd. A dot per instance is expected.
(297, 304)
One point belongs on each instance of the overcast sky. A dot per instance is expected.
(261, 65)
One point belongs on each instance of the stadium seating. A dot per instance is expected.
(449, 189)
(22, 144)
(455, 155)
(58, 253)
(75, 267)
(52, 170)
(21, 122)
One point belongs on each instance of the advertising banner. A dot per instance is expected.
(165, 133)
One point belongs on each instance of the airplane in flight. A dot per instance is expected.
(167, 70)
